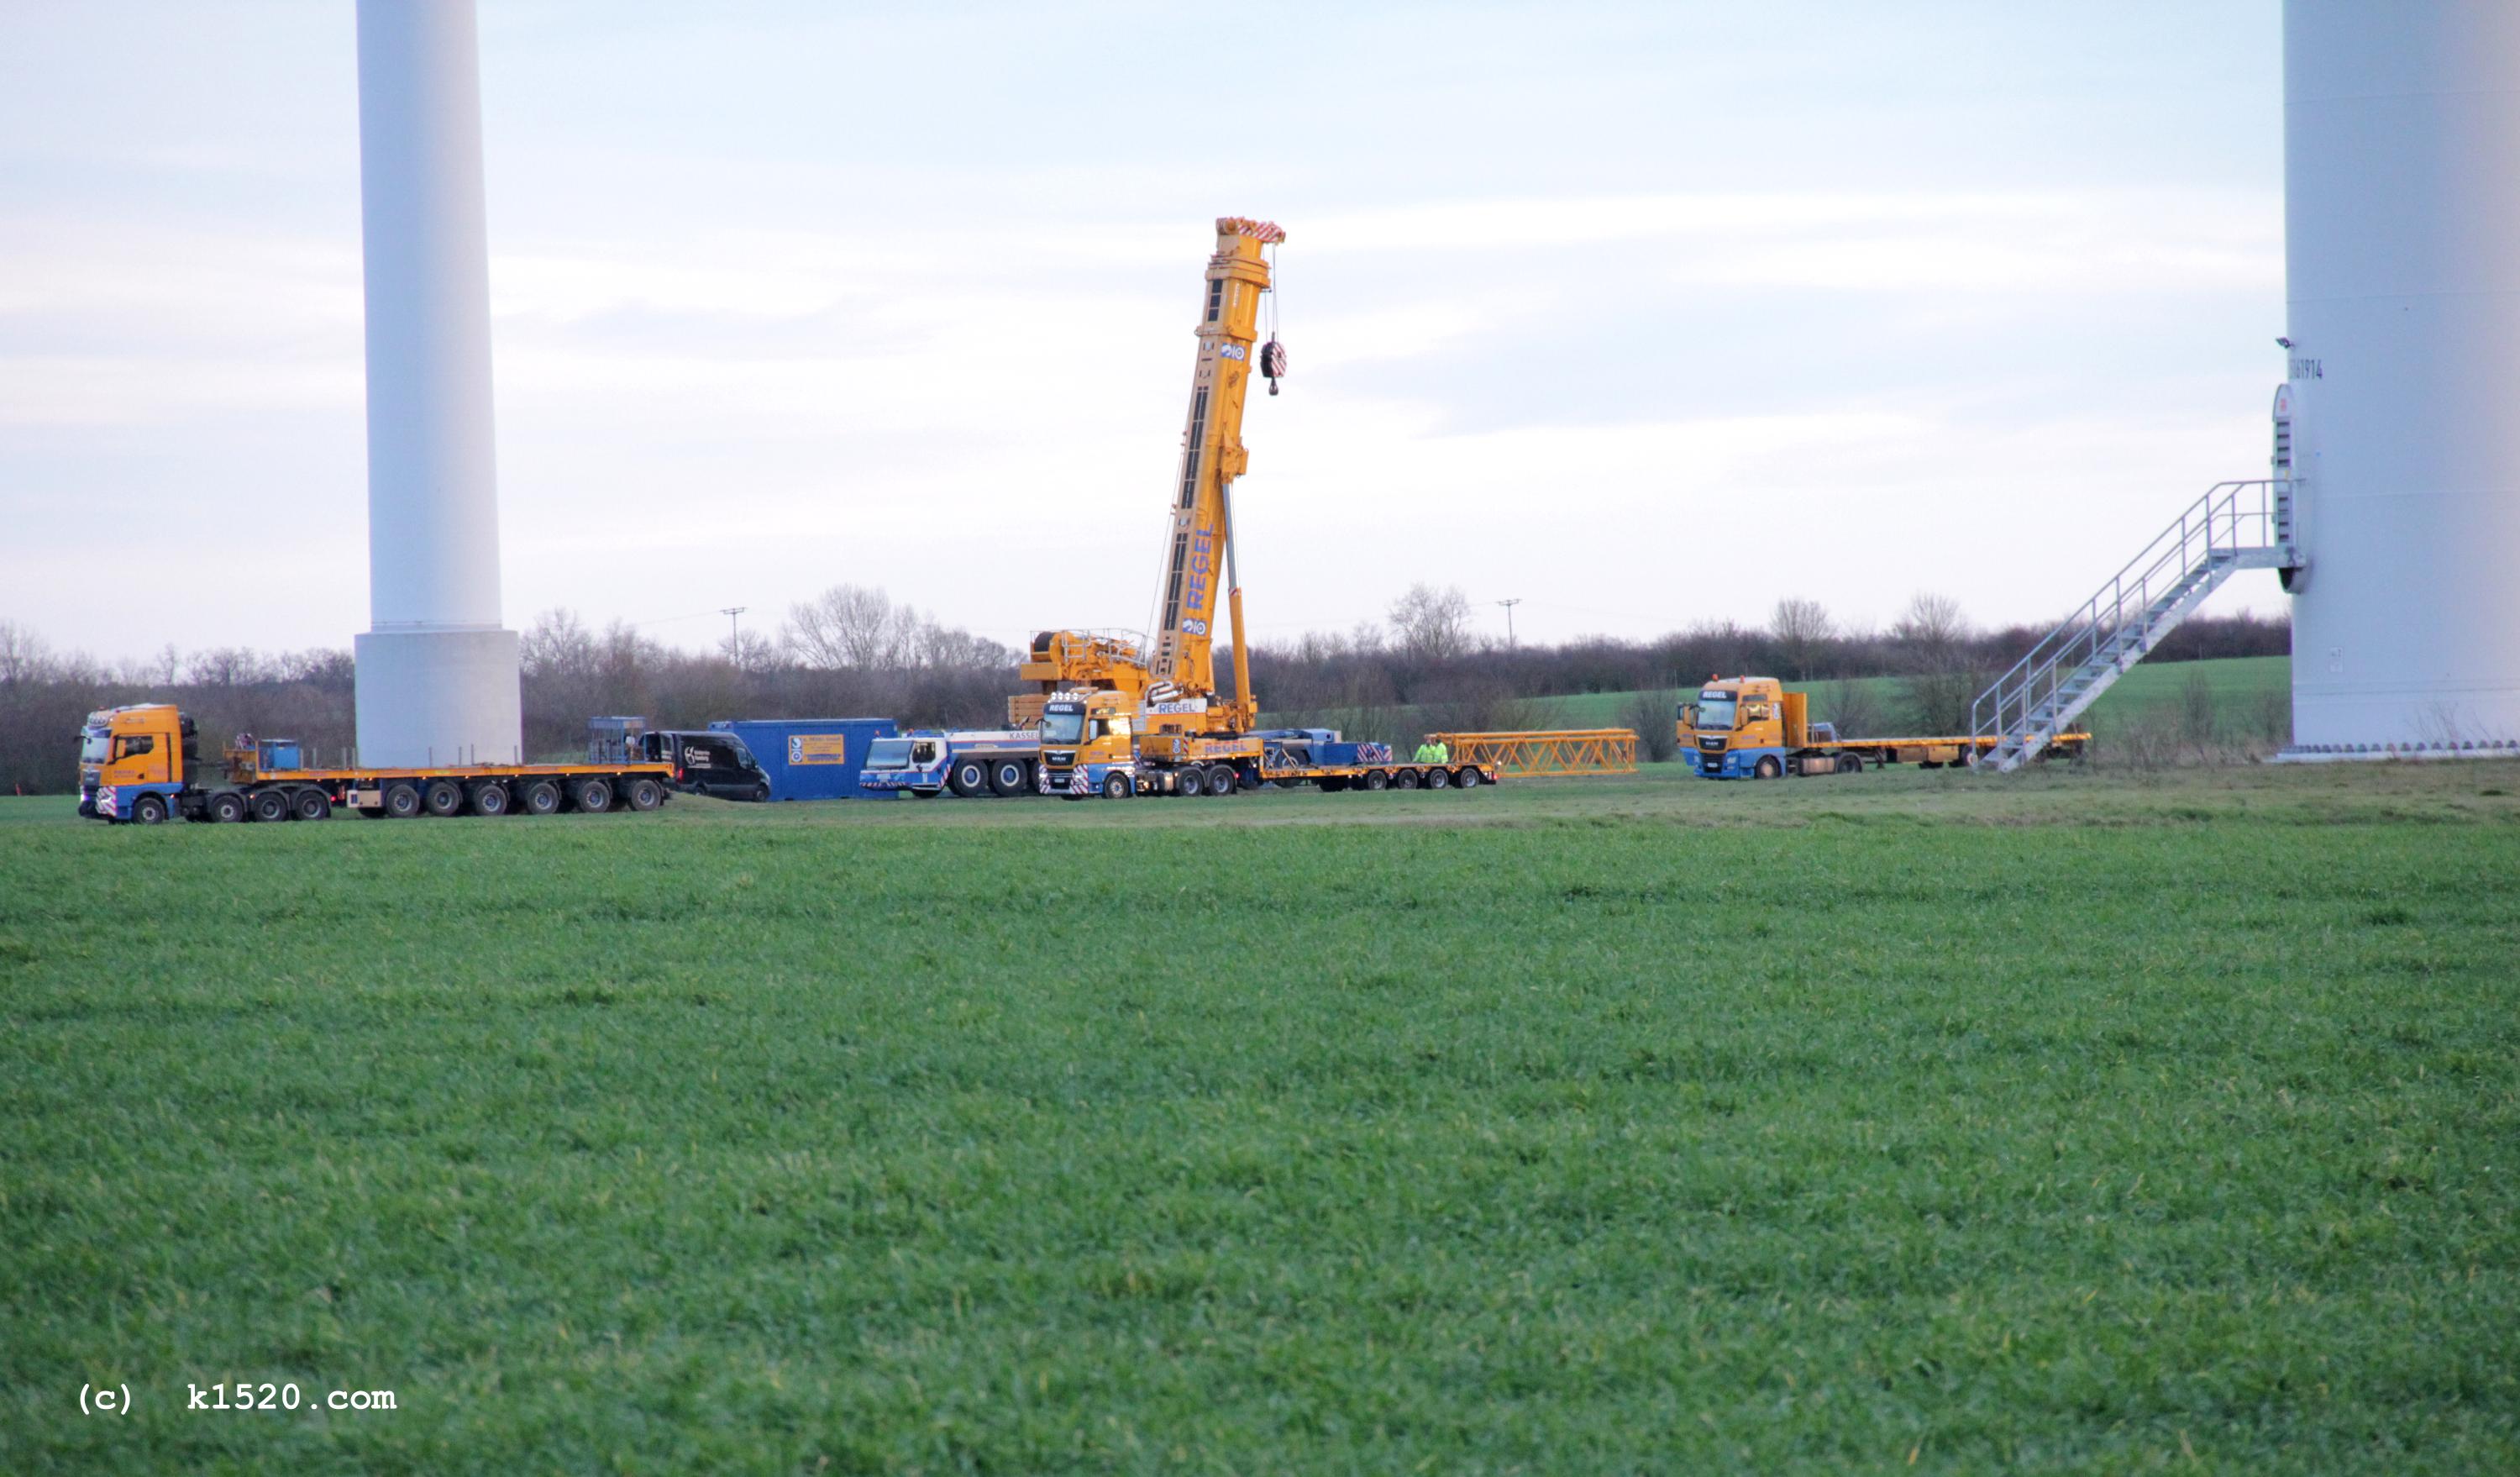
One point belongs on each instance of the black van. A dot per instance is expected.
(708, 762)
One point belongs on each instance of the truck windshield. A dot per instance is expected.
(95, 746)
(1715, 712)
(1062, 727)
(888, 753)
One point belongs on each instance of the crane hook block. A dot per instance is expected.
(1272, 363)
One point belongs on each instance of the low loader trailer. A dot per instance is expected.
(141, 763)
(1090, 746)
(1750, 727)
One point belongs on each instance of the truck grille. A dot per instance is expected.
(1710, 745)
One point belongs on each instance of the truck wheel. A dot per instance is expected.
(760, 793)
(593, 796)
(1378, 780)
(1850, 764)
(442, 798)
(1466, 778)
(270, 805)
(149, 809)
(402, 800)
(1439, 778)
(1407, 778)
(1768, 768)
(311, 805)
(1220, 779)
(489, 798)
(1190, 782)
(969, 778)
(538, 798)
(1009, 778)
(227, 806)
(646, 793)
(1118, 788)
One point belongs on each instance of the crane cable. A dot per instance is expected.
(1273, 354)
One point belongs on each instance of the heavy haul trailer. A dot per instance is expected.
(1091, 745)
(966, 761)
(141, 764)
(1750, 727)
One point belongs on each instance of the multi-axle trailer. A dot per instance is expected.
(141, 763)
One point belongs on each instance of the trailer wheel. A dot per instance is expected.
(1439, 778)
(1408, 778)
(402, 800)
(540, 797)
(1220, 779)
(969, 778)
(1009, 778)
(1466, 778)
(646, 793)
(1117, 787)
(489, 798)
(311, 805)
(149, 809)
(591, 795)
(270, 805)
(442, 798)
(1768, 768)
(1379, 778)
(227, 805)
(1850, 764)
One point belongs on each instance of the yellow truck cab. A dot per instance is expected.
(134, 761)
(1744, 728)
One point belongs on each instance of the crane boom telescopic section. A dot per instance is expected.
(1199, 562)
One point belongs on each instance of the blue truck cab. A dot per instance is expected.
(966, 762)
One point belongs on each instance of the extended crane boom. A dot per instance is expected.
(1202, 544)
(1175, 675)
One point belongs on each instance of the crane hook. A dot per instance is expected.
(1272, 362)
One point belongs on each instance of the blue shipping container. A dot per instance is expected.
(811, 758)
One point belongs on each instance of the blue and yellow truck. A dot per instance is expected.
(143, 764)
(1750, 727)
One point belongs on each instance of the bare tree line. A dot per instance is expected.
(853, 652)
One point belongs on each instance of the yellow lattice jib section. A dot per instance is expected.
(1548, 751)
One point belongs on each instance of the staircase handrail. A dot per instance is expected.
(2214, 524)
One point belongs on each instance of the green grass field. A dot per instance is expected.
(1916, 1121)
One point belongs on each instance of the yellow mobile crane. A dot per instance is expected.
(1117, 720)
(1177, 678)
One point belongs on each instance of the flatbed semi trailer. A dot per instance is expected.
(1750, 727)
(141, 763)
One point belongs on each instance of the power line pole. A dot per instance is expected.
(734, 632)
(1508, 619)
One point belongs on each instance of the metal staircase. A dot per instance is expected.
(2234, 525)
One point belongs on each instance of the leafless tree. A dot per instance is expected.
(847, 626)
(1432, 625)
(1802, 629)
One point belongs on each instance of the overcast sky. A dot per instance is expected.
(1643, 314)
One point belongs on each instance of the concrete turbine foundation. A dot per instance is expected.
(436, 672)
